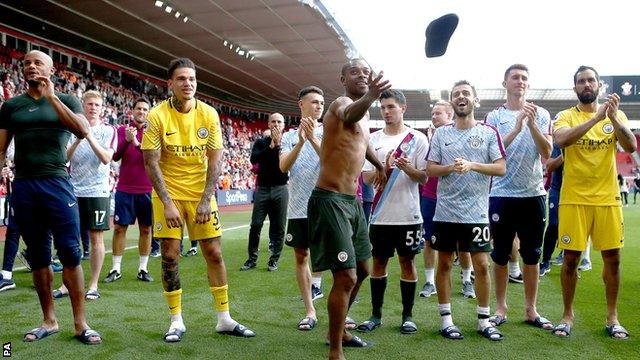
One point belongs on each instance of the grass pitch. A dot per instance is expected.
(132, 316)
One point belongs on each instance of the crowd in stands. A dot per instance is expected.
(120, 91)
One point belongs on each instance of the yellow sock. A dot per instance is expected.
(174, 300)
(220, 297)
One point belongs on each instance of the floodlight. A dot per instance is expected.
(159, 3)
(168, 9)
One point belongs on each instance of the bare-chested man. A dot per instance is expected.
(337, 226)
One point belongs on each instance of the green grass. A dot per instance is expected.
(132, 316)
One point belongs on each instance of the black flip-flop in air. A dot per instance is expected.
(438, 34)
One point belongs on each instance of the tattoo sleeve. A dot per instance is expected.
(170, 275)
(152, 166)
(213, 171)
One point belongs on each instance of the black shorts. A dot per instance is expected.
(297, 233)
(94, 213)
(386, 239)
(450, 237)
(522, 216)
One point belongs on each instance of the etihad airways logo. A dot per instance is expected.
(186, 150)
(592, 144)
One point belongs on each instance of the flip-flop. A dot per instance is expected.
(449, 332)
(39, 333)
(562, 327)
(86, 335)
(614, 329)
(174, 332)
(408, 327)
(492, 333)
(57, 294)
(240, 331)
(92, 295)
(540, 322)
(368, 326)
(306, 324)
(497, 320)
(350, 324)
(355, 342)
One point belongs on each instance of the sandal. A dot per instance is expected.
(349, 323)
(540, 322)
(408, 327)
(92, 294)
(452, 332)
(306, 324)
(617, 329)
(497, 320)
(492, 333)
(174, 332)
(58, 294)
(86, 335)
(369, 325)
(39, 333)
(562, 327)
(239, 330)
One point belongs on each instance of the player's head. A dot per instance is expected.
(311, 102)
(140, 110)
(393, 104)
(354, 76)
(92, 105)
(36, 63)
(516, 79)
(182, 78)
(441, 113)
(463, 98)
(586, 84)
(276, 122)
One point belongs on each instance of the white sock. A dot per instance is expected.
(514, 268)
(6, 274)
(143, 263)
(466, 275)
(117, 260)
(445, 315)
(317, 281)
(225, 322)
(429, 274)
(176, 322)
(483, 317)
(587, 252)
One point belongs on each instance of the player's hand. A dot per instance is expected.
(309, 125)
(601, 114)
(130, 133)
(380, 181)
(377, 85)
(203, 213)
(172, 216)
(461, 165)
(46, 86)
(389, 160)
(532, 113)
(276, 136)
(402, 163)
(613, 102)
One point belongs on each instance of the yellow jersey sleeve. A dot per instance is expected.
(562, 120)
(152, 137)
(214, 141)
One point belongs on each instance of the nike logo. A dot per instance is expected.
(33, 109)
(71, 204)
(170, 133)
(224, 303)
(503, 122)
(483, 244)
(447, 144)
(378, 148)
(172, 307)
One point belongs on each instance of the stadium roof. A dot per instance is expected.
(293, 43)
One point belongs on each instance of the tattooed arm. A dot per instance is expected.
(214, 157)
(152, 166)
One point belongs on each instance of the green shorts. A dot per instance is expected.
(338, 236)
(297, 233)
(94, 213)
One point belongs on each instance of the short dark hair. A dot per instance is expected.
(463, 82)
(584, 68)
(309, 89)
(179, 63)
(515, 67)
(142, 99)
(397, 95)
(349, 63)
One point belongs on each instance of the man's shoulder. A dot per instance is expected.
(16, 100)
(160, 109)
(418, 134)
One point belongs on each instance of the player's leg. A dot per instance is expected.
(258, 214)
(550, 233)
(121, 219)
(466, 270)
(515, 273)
(344, 280)
(382, 250)
(64, 222)
(298, 238)
(11, 245)
(408, 242)
(143, 212)
(170, 253)
(99, 213)
(427, 208)
(503, 233)
(277, 212)
(444, 241)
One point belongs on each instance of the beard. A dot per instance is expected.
(463, 113)
(586, 97)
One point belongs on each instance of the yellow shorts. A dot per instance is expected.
(187, 209)
(603, 223)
